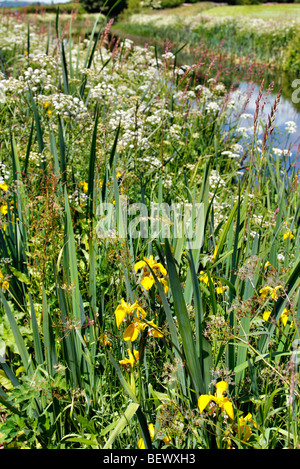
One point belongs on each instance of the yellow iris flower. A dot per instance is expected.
(133, 358)
(152, 263)
(243, 429)
(203, 277)
(3, 283)
(266, 315)
(148, 280)
(84, 186)
(136, 313)
(221, 289)
(219, 398)
(125, 309)
(154, 331)
(269, 290)
(141, 443)
(4, 187)
(283, 317)
(4, 209)
(288, 235)
(133, 330)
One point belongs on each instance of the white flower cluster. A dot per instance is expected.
(13, 36)
(291, 127)
(279, 152)
(12, 87)
(103, 91)
(4, 173)
(203, 92)
(67, 106)
(132, 128)
(216, 180)
(37, 79)
(2, 91)
(212, 107)
(235, 151)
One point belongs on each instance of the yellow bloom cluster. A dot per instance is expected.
(4, 187)
(243, 428)
(283, 317)
(4, 206)
(3, 283)
(133, 358)
(273, 292)
(136, 315)
(47, 106)
(219, 288)
(141, 444)
(219, 398)
(148, 279)
(288, 235)
(105, 340)
(84, 186)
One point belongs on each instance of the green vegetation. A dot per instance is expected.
(292, 56)
(284, 12)
(263, 40)
(149, 252)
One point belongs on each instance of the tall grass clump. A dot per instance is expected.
(122, 325)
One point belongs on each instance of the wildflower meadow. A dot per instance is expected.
(149, 245)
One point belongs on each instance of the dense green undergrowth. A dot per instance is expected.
(267, 40)
(155, 330)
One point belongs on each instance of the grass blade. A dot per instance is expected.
(183, 322)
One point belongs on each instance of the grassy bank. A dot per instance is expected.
(280, 12)
(264, 37)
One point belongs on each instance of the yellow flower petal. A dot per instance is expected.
(167, 440)
(4, 209)
(284, 316)
(151, 430)
(221, 386)
(226, 404)
(266, 315)
(147, 282)
(4, 187)
(221, 290)
(120, 314)
(131, 333)
(203, 277)
(84, 186)
(155, 330)
(264, 292)
(133, 358)
(139, 265)
(152, 263)
(165, 283)
(203, 401)
(139, 309)
(5, 285)
(141, 443)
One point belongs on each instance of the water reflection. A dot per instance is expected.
(287, 112)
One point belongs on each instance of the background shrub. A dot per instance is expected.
(102, 6)
(291, 55)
